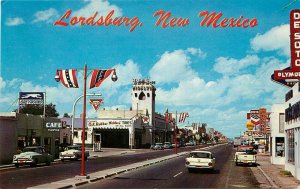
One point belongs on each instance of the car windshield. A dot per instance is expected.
(29, 150)
(73, 148)
(38, 150)
(200, 155)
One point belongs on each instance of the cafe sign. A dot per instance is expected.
(53, 126)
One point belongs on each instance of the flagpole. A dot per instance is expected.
(83, 123)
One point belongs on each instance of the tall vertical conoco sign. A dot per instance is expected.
(292, 72)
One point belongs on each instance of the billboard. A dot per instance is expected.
(31, 98)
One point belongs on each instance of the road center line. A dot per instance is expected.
(177, 174)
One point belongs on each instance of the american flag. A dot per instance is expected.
(68, 78)
(183, 116)
(168, 117)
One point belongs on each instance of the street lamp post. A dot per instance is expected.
(58, 78)
(73, 112)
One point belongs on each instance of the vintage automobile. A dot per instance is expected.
(158, 146)
(73, 152)
(245, 155)
(32, 155)
(199, 159)
(168, 145)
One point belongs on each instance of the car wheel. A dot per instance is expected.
(48, 162)
(35, 162)
(190, 170)
(17, 165)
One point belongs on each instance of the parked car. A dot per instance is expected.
(158, 146)
(200, 160)
(168, 145)
(73, 152)
(32, 156)
(177, 145)
(245, 155)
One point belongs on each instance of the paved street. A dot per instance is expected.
(145, 168)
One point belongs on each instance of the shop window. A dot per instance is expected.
(76, 134)
(291, 146)
(279, 146)
(281, 122)
(47, 141)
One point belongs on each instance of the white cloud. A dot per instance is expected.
(2, 83)
(174, 67)
(125, 72)
(276, 39)
(47, 16)
(229, 66)
(101, 6)
(14, 21)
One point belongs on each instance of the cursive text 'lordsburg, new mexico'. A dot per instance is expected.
(164, 20)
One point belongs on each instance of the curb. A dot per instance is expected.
(268, 178)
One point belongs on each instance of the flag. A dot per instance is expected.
(254, 118)
(68, 78)
(99, 76)
(183, 116)
(168, 117)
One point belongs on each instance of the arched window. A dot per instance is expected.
(142, 96)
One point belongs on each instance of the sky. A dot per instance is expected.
(216, 74)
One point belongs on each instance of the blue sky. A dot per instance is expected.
(215, 74)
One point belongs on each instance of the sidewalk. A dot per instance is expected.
(270, 175)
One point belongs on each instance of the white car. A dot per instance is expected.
(32, 156)
(199, 159)
(73, 152)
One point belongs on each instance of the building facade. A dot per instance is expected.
(292, 131)
(138, 127)
(277, 144)
(20, 130)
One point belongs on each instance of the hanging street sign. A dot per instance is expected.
(96, 102)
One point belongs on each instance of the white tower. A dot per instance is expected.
(143, 96)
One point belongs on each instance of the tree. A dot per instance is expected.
(66, 115)
(36, 109)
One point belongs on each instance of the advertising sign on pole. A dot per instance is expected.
(285, 76)
(31, 98)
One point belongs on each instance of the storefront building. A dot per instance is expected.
(277, 144)
(20, 130)
(292, 131)
(138, 127)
